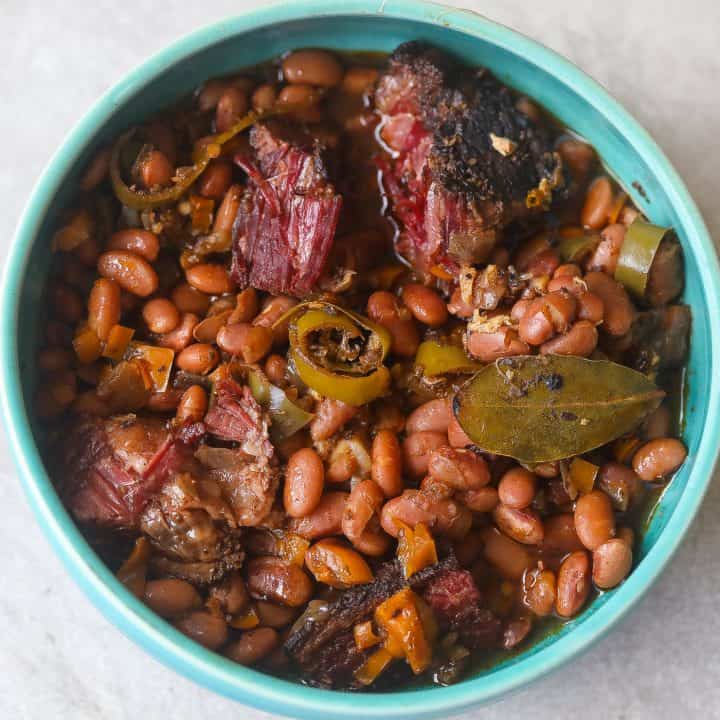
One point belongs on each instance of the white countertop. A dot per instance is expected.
(59, 658)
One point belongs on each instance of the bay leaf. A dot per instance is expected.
(542, 408)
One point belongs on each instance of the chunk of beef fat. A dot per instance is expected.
(286, 223)
(192, 529)
(466, 162)
(114, 466)
(236, 416)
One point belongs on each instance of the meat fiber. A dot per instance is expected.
(247, 475)
(466, 162)
(236, 416)
(286, 223)
(114, 466)
(455, 600)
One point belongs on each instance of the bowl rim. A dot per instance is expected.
(171, 647)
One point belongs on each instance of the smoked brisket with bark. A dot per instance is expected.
(467, 162)
(323, 647)
(286, 222)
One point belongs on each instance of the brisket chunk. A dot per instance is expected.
(286, 223)
(114, 466)
(466, 161)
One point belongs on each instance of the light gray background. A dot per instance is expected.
(59, 658)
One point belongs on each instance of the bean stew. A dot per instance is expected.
(361, 369)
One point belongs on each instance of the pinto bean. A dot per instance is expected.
(546, 316)
(524, 525)
(658, 458)
(210, 278)
(104, 307)
(529, 249)
(516, 488)
(432, 416)
(490, 346)
(253, 645)
(443, 515)
(301, 101)
(189, 300)
(312, 67)
(206, 331)
(131, 272)
(231, 106)
(544, 263)
(619, 312)
(510, 558)
(246, 306)
(363, 505)
(580, 340)
(560, 534)
(193, 405)
(272, 311)
(577, 155)
(482, 500)
(136, 240)
(330, 417)
(304, 483)
(199, 358)
(215, 180)
(325, 520)
(387, 463)
(203, 627)
(358, 80)
(417, 448)
(171, 597)
(156, 170)
(227, 210)
(182, 335)
(538, 591)
(456, 435)
(591, 308)
(425, 304)
(160, 315)
(276, 369)
(251, 342)
(567, 270)
(384, 308)
(611, 563)
(274, 616)
(605, 257)
(594, 519)
(264, 97)
(51, 359)
(459, 469)
(231, 594)
(619, 483)
(270, 578)
(65, 303)
(573, 584)
(598, 201)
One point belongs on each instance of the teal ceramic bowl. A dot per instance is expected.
(360, 24)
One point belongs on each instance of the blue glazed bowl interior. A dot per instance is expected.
(580, 104)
